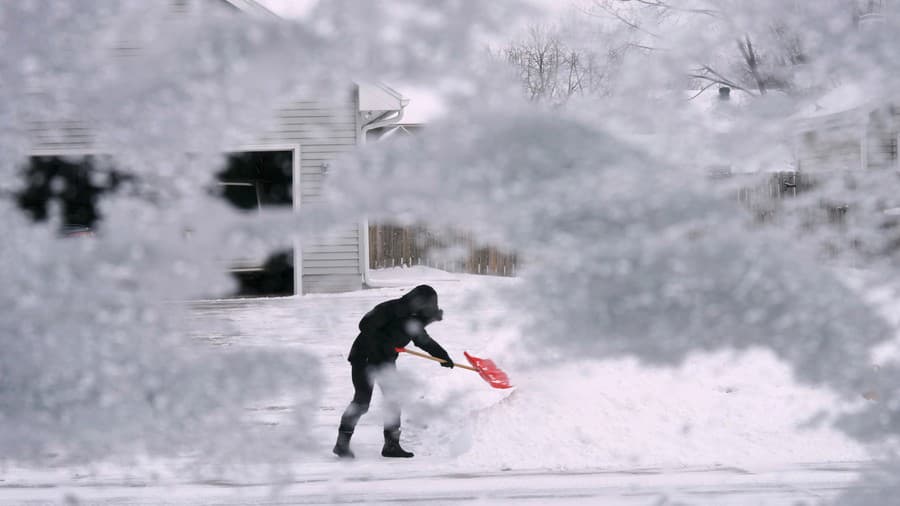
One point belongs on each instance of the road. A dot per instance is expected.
(398, 483)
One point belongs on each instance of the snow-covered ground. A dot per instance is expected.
(725, 428)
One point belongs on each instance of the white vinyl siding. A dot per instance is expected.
(881, 138)
(848, 140)
(830, 143)
(60, 137)
(324, 130)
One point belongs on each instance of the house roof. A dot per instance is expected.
(380, 97)
(250, 7)
(844, 98)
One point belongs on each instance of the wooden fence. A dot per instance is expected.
(453, 251)
(456, 251)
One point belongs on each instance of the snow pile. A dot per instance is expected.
(722, 409)
(404, 276)
(624, 254)
(728, 408)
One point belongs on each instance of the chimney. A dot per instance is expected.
(724, 93)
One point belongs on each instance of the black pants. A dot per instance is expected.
(363, 377)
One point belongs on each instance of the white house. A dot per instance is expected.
(308, 134)
(855, 125)
(846, 129)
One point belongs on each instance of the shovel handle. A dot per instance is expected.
(429, 357)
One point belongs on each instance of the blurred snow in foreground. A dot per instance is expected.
(718, 410)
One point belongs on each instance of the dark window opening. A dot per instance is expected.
(74, 183)
(275, 277)
(255, 179)
(250, 181)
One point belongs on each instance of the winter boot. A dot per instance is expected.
(342, 447)
(392, 445)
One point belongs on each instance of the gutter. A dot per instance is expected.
(252, 7)
(379, 122)
(386, 119)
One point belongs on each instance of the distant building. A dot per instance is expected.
(846, 130)
(855, 125)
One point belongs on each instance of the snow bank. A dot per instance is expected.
(727, 408)
(721, 409)
(412, 275)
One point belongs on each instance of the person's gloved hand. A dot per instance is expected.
(447, 363)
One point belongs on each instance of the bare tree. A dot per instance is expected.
(762, 59)
(554, 70)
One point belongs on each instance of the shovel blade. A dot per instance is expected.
(489, 371)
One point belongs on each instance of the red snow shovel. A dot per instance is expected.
(485, 368)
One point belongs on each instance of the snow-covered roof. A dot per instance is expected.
(380, 97)
(844, 98)
(721, 119)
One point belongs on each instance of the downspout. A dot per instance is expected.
(382, 120)
(379, 122)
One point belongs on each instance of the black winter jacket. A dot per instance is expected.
(394, 323)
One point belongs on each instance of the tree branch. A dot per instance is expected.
(752, 60)
(708, 86)
(717, 78)
(659, 4)
(631, 24)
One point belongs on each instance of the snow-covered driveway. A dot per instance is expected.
(723, 429)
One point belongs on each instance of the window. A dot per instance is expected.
(252, 181)
(75, 183)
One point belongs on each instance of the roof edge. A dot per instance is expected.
(385, 98)
(252, 7)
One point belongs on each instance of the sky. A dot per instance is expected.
(424, 105)
(289, 8)
(298, 8)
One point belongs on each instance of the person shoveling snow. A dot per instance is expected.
(388, 326)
